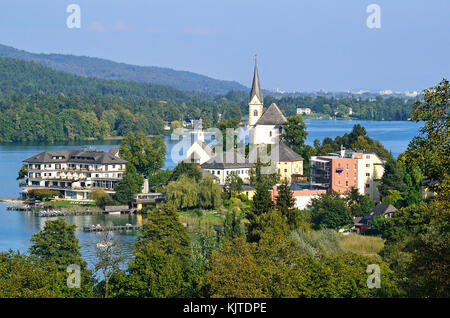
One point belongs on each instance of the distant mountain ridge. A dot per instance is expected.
(102, 68)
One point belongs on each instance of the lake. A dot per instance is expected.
(16, 228)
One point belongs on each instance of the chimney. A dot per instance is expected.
(342, 151)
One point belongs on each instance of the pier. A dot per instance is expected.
(102, 228)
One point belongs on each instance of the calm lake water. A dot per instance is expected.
(16, 228)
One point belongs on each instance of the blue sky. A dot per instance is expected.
(301, 45)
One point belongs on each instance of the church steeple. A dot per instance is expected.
(256, 87)
(255, 105)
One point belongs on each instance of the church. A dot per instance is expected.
(265, 128)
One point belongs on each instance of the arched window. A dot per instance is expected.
(270, 133)
(255, 113)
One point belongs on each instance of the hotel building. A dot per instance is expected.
(74, 173)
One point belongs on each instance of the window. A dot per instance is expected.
(346, 183)
(255, 113)
(354, 183)
(346, 166)
(346, 174)
(367, 185)
(270, 133)
(339, 165)
(367, 174)
(368, 165)
(354, 175)
(339, 182)
(367, 157)
(355, 166)
(285, 170)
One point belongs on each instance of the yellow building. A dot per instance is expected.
(248, 191)
(289, 163)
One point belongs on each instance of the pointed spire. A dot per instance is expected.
(256, 87)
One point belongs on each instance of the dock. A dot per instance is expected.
(102, 228)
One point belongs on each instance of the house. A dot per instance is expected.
(225, 163)
(381, 209)
(303, 111)
(249, 191)
(74, 173)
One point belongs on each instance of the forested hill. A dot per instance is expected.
(17, 76)
(101, 68)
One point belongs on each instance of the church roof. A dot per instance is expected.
(256, 87)
(272, 116)
(283, 151)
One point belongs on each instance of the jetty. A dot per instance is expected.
(102, 228)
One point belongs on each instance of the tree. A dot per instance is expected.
(285, 204)
(392, 179)
(158, 178)
(101, 198)
(231, 227)
(163, 228)
(128, 186)
(190, 170)
(360, 204)
(143, 153)
(151, 273)
(233, 184)
(109, 257)
(23, 172)
(331, 211)
(235, 272)
(183, 193)
(295, 133)
(210, 194)
(431, 150)
(57, 244)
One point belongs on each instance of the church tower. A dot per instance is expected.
(255, 106)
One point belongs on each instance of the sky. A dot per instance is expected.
(300, 45)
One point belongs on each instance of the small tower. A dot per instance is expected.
(255, 106)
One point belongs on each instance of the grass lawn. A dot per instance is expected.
(361, 244)
(67, 203)
(204, 223)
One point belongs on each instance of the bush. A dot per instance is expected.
(43, 194)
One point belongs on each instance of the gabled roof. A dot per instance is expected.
(226, 160)
(380, 209)
(256, 87)
(272, 116)
(284, 153)
(75, 156)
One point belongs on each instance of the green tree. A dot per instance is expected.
(183, 193)
(285, 204)
(143, 153)
(295, 133)
(101, 198)
(23, 172)
(190, 170)
(331, 211)
(57, 244)
(431, 149)
(163, 227)
(392, 179)
(233, 184)
(231, 227)
(129, 185)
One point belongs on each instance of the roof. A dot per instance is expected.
(287, 154)
(272, 116)
(246, 187)
(226, 160)
(75, 156)
(114, 152)
(380, 209)
(256, 87)
(284, 153)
